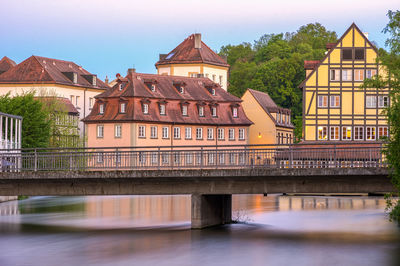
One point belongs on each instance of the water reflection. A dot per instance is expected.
(155, 230)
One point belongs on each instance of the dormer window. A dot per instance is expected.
(184, 110)
(214, 111)
(235, 112)
(145, 108)
(162, 109)
(153, 87)
(120, 86)
(213, 92)
(101, 108)
(181, 90)
(201, 110)
(94, 81)
(122, 108)
(75, 78)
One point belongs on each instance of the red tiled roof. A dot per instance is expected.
(270, 106)
(186, 53)
(196, 91)
(5, 64)
(39, 70)
(310, 64)
(62, 104)
(330, 45)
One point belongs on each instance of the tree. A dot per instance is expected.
(390, 61)
(35, 123)
(274, 64)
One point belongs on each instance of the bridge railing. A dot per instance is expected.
(197, 157)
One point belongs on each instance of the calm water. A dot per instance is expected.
(155, 230)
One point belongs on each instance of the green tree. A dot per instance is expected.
(35, 123)
(391, 63)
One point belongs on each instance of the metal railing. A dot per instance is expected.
(196, 157)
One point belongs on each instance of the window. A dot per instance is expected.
(359, 54)
(383, 101)
(369, 73)
(188, 133)
(335, 101)
(235, 112)
(347, 75)
(90, 103)
(101, 108)
(358, 133)
(162, 109)
(201, 110)
(220, 80)
(153, 132)
(231, 134)
(142, 131)
(221, 133)
(278, 138)
(232, 158)
(153, 87)
(177, 132)
(214, 111)
(322, 101)
(100, 157)
(210, 133)
(100, 131)
(322, 133)
(199, 133)
(165, 158)
(72, 98)
(347, 54)
(118, 131)
(181, 90)
(370, 133)
(334, 133)
(77, 100)
(359, 74)
(75, 78)
(346, 133)
(213, 78)
(335, 75)
(221, 158)
(213, 92)
(154, 157)
(383, 132)
(371, 101)
(210, 158)
(123, 107)
(184, 110)
(165, 133)
(188, 158)
(241, 133)
(145, 107)
(120, 86)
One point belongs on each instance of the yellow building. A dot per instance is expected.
(193, 58)
(272, 123)
(334, 106)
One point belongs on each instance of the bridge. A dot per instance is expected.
(210, 174)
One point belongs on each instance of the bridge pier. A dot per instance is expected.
(210, 210)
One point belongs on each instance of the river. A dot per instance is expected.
(155, 230)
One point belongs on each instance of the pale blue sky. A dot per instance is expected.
(107, 37)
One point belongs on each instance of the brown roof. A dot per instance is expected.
(39, 70)
(330, 45)
(186, 53)
(270, 106)
(62, 104)
(310, 64)
(5, 64)
(197, 91)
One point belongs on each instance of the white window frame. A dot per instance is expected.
(210, 133)
(101, 108)
(177, 132)
(231, 134)
(385, 128)
(145, 108)
(165, 133)
(100, 131)
(322, 136)
(356, 133)
(369, 73)
(142, 131)
(201, 111)
(333, 101)
(381, 101)
(359, 71)
(122, 108)
(241, 134)
(188, 133)
(235, 112)
(320, 101)
(334, 75)
(118, 131)
(372, 130)
(153, 132)
(184, 110)
(162, 109)
(335, 134)
(199, 133)
(221, 134)
(214, 111)
(370, 101)
(345, 131)
(347, 74)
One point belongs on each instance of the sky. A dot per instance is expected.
(108, 37)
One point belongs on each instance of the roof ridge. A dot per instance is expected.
(44, 68)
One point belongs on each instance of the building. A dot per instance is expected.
(193, 58)
(334, 106)
(272, 124)
(65, 130)
(156, 110)
(5, 64)
(10, 142)
(53, 77)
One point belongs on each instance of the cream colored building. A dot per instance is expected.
(52, 77)
(272, 124)
(193, 58)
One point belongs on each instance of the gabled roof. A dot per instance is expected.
(186, 53)
(6, 63)
(42, 70)
(269, 106)
(332, 46)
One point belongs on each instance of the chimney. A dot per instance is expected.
(131, 70)
(366, 34)
(163, 56)
(197, 40)
(106, 80)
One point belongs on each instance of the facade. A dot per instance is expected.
(65, 130)
(52, 77)
(334, 106)
(272, 124)
(156, 110)
(193, 58)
